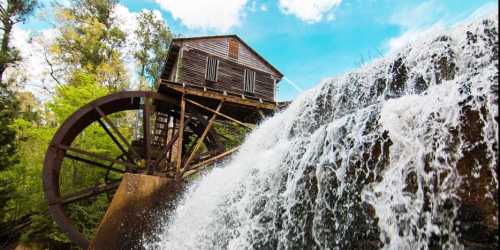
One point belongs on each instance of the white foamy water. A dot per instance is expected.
(377, 158)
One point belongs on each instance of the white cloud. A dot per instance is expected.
(127, 21)
(413, 35)
(485, 10)
(253, 6)
(218, 15)
(310, 11)
(32, 72)
(415, 17)
(330, 17)
(430, 17)
(263, 7)
(416, 22)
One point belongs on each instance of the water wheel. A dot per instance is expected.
(146, 140)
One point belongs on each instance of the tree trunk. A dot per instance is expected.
(4, 48)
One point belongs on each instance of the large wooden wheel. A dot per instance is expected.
(166, 138)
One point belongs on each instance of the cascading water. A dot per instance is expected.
(401, 154)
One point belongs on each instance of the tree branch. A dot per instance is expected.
(51, 67)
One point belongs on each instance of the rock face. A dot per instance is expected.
(400, 154)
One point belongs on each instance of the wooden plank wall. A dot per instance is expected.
(220, 47)
(230, 74)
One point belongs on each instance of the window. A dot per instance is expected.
(249, 81)
(233, 49)
(212, 67)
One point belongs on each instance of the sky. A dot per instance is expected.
(307, 40)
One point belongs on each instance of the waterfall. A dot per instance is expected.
(400, 154)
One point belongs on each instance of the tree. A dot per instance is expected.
(12, 12)
(8, 107)
(153, 40)
(89, 43)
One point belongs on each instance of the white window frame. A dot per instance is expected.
(251, 88)
(216, 72)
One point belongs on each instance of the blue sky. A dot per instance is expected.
(308, 39)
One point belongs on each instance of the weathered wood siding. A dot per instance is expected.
(220, 47)
(230, 74)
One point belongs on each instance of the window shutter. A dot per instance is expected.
(233, 49)
(212, 67)
(249, 81)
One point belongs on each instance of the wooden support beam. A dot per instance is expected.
(203, 135)
(250, 126)
(146, 120)
(170, 152)
(169, 145)
(181, 134)
(195, 168)
(214, 94)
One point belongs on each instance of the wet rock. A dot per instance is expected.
(420, 85)
(399, 74)
(446, 69)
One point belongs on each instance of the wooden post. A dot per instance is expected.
(146, 116)
(174, 121)
(181, 135)
(203, 135)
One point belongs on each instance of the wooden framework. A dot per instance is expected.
(203, 99)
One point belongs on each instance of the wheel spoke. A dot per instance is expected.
(113, 138)
(115, 129)
(97, 164)
(89, 192)
(96, 156)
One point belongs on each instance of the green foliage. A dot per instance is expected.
(81, 90)
(33, 139)
(153, 40)
(17, 10)
(100, 9)
(28, 197)
(8, 112)
(8, 157)
(232, 134)
(89, 44)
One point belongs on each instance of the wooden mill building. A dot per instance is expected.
(223, 63)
